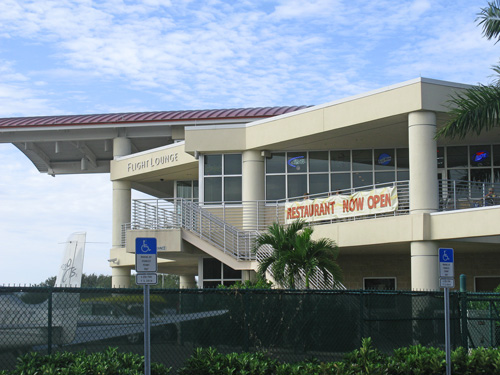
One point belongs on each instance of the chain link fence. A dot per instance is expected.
(289, 325)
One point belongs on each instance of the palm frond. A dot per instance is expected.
(489, 19)
(473, 111)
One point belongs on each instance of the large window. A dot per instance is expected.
(479, 163)
(222, 178)
(379, 283)
(486, 283)
(216, 273)
(186, 189)
(290, 175)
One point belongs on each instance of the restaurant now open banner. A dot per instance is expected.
(368, 202)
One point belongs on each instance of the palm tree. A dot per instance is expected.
(477, 109)
(294, 252)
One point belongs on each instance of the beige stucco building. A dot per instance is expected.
(377, 182)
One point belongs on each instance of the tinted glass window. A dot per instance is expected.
(213, 189)
(232, 164)
(361, 160)
(385, 159)
(276, 163)
(341, 181)
(340, 161)
(403, 158)
(275, 187)
(297, 185)
(480, 156)
(457, 156)
(211, 268)
(318, 183)
(296, 162)
(232, 189)
(318, 161)
(360, 179)
(213, 165)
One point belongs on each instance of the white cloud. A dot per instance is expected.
(82, 56)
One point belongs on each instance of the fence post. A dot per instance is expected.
(361, 318)
(49, 323)
(463, 308)
(246, 329)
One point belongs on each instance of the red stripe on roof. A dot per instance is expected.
(138, 117)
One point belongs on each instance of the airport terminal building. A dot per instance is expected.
(365, 171)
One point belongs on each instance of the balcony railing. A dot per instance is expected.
(232, 226)
(243, 215)
(459, 195)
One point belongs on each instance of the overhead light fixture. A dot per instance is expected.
(84, 164)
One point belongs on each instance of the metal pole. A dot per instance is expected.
(463, 305)
(447, 329)
(49, 323)
(147, 338)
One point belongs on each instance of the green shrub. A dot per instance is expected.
(109, 362)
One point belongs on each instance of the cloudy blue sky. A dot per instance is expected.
(85, 56)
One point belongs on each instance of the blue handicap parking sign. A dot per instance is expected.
(145, 245)
(445, 255)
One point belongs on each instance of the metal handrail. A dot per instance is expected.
(457, 194)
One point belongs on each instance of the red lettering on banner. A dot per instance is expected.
(386, 200)
(345, 206)
(383, 199)
(316, 209)
(356, 204)
(288, 213)
(332, 206)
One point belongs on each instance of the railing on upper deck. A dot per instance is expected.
(459, 195)
(244, 215)
(233, 226)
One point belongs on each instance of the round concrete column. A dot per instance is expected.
(423, 164)
(122, 196)
(187, 282)
(252, 187)
(424, 196)
(120, 277)
(424, 265)
(122, 146)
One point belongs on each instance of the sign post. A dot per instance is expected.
(447, 281)
(146, 266)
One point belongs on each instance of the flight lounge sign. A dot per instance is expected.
(341, 206)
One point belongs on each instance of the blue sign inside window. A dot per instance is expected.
(384, 159)
(296, 161)
(480, 155)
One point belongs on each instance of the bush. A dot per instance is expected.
(413, 360)
(109, 362)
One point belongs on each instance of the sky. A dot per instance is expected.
(63, 57)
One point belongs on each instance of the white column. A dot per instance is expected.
(424, 265)
(187, 282)
(122, 196)
(424, 196)
(423, 164)
(120, 277)
(252, 187)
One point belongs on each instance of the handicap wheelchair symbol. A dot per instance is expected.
(445, 256)
(145, 248)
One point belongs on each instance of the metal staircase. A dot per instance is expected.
(200, 221)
